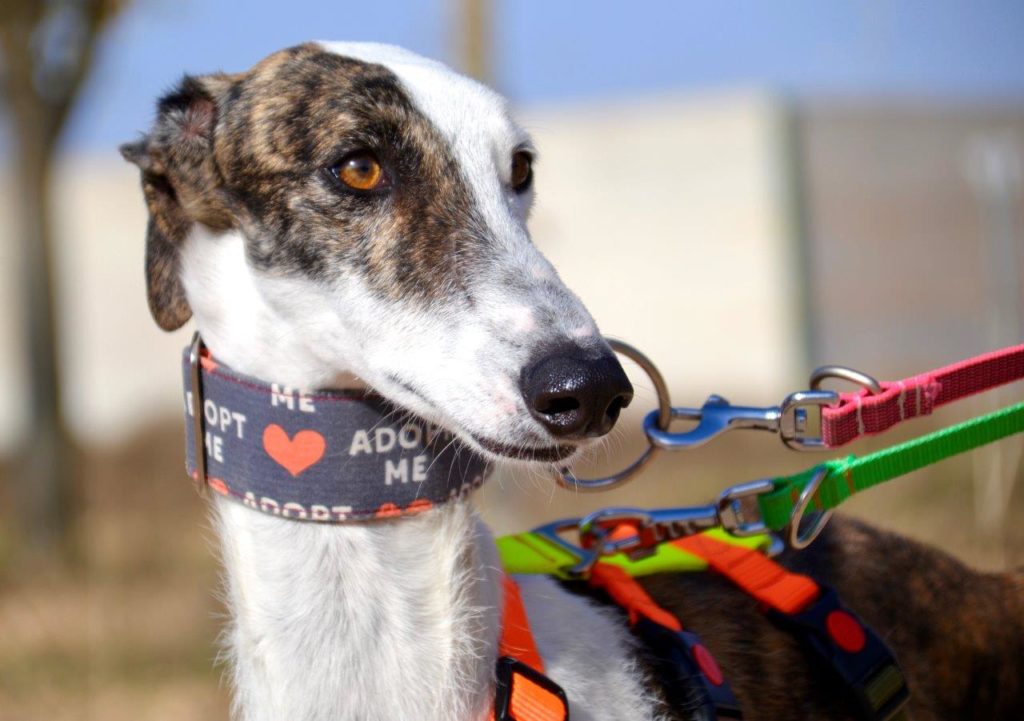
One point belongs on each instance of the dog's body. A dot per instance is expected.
(426, 288)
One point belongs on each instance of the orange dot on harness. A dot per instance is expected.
(845, 630)
(708, 665)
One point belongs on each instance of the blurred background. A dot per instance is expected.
(743, 190)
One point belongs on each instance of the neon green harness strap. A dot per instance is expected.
(846, 476)
(532, 553)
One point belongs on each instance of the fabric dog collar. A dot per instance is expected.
(327, 456)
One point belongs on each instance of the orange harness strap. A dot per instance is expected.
(758, 575)
(630, 595)
(516, 636)
(523, 692)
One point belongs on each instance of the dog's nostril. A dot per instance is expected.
(557, 404)
(614, 408)
(576, 394)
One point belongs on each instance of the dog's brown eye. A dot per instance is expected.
(522, 170)
(360, 171)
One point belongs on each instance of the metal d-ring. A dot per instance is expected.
(195, 360)
(847, 374)
(796, 540)
(565, 477)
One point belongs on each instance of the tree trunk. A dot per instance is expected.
(474, 39)
(43, 474)
(40, 92)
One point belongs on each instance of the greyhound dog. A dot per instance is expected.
(353, 217)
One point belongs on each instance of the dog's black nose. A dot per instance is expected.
(576, 394)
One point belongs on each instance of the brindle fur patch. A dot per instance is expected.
(252, 151)
(303, 110)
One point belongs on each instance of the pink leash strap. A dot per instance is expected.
(864, 413)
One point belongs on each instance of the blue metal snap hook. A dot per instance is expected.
(715, 417)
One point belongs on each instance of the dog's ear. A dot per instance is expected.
(181, 184)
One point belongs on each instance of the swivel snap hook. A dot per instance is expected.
(715, 417)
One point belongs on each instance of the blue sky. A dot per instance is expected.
(562, 50)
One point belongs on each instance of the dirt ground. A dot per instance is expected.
(129, 630)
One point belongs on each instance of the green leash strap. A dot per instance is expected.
(532, 553)
(846, 476)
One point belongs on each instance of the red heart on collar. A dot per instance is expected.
(293, 454)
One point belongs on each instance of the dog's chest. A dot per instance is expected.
(364, 622)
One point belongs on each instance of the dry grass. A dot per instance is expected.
(128, 631)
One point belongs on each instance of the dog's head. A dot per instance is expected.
(358, 209)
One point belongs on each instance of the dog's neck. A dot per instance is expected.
(385, 620)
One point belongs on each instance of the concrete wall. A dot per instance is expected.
(120, 370)
(915, 231)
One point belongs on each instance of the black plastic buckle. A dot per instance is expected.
(507, 670)
(865, 665)
(688, 671)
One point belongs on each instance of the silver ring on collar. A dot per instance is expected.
(565, 477)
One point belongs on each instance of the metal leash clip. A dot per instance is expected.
(645, 528)
(788, 419)
(648, 528)
(599, 533)
(717, 416)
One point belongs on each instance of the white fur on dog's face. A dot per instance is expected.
(455, 354)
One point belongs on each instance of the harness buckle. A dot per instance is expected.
(860, 659)
(520, 687)
(690, 675)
